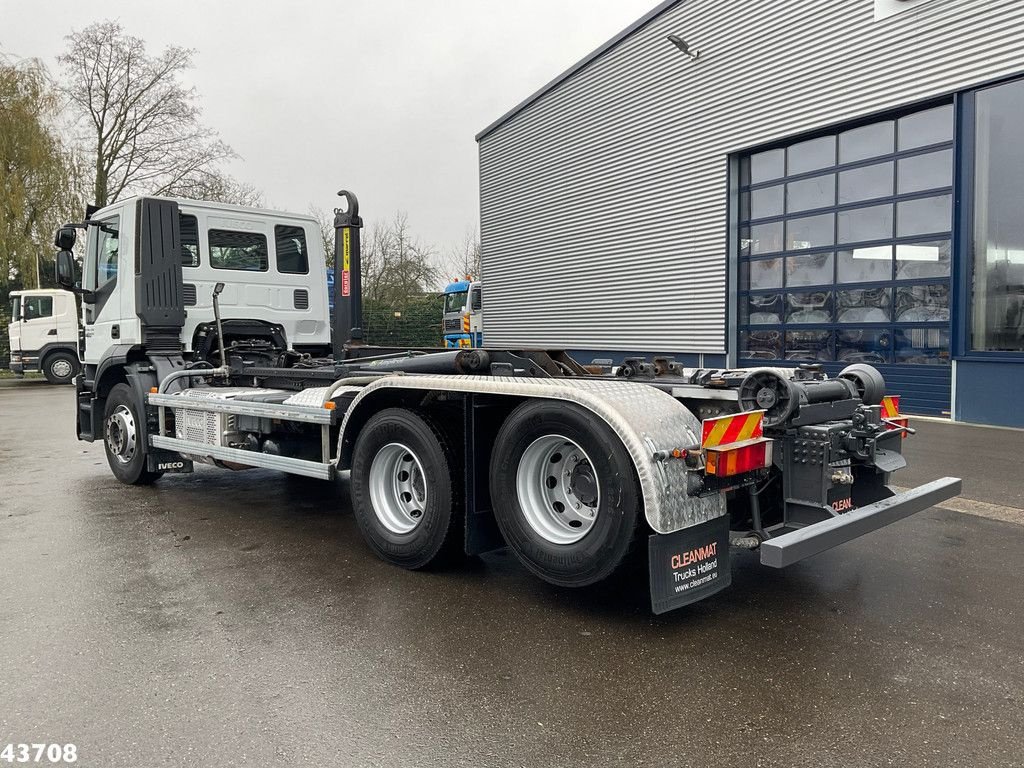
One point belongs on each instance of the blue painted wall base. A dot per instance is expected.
(988, 392)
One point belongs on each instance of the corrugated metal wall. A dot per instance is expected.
(603, 202)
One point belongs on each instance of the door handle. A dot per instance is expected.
(115, 331)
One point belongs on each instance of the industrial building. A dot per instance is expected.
(772, 183)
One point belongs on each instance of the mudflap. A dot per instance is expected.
(158, 460)
(688, 565)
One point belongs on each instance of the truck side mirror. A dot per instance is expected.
(64, 269)
(65, 239)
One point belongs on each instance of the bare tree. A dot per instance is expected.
(326, 222)
(464, 258)
(396, 266)
(217, 187)
(143, 129)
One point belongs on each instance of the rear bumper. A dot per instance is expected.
(796, 545)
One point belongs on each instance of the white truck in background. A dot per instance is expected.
(43, 333)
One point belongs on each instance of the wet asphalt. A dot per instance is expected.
(237, 619)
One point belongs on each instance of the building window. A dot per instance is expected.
(845, 244)
(998, 249)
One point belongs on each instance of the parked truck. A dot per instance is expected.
(206, 340)
(463, 316)
(43, 334)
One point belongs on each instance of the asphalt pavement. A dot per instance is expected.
(222, 619)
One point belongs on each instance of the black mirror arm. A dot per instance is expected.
(88, 297)
(103, 227)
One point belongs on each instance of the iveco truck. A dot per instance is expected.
(207, 340)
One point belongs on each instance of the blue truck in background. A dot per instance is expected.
(463, 317)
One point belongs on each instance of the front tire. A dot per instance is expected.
(405, 484)
(124, 437)
(60, 368)
(565, 493)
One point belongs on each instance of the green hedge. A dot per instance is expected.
(415, 324)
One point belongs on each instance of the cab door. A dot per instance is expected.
(476, 316)
(102, 316)
(38, 326)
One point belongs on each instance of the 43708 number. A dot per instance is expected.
(39, 753)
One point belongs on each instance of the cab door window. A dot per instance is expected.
(106, 251)
(189, 240)
(35, 307)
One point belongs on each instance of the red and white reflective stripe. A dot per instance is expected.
(732, 429)
(891, 407)
(891, 412)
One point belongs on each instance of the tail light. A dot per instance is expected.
(738, 458)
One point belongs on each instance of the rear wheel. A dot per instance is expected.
(565, 493)
(60, 368)
(404, 484)
(123, 438)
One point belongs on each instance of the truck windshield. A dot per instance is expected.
(455, 302)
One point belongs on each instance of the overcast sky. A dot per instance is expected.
(383, 98)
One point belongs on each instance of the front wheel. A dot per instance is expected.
(124, 438)
(405, 489)
(60, 368)
(564, 492)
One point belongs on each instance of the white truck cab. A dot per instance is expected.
(150, 268)
(43, 333)
(271, 264)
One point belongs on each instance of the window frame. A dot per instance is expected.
(26, 299)
(305, 249)
(266, 249)
(114, 221)
(964, 213)
(199, 242)
(742, 256)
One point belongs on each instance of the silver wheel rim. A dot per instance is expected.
(558, 489)
(61, 368)
(398, 488)
(122, 438)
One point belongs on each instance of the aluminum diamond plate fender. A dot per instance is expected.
(645, 419)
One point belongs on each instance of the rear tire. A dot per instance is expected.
(123, 437)
(565, 493)
(405, 484)
(60, 367)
